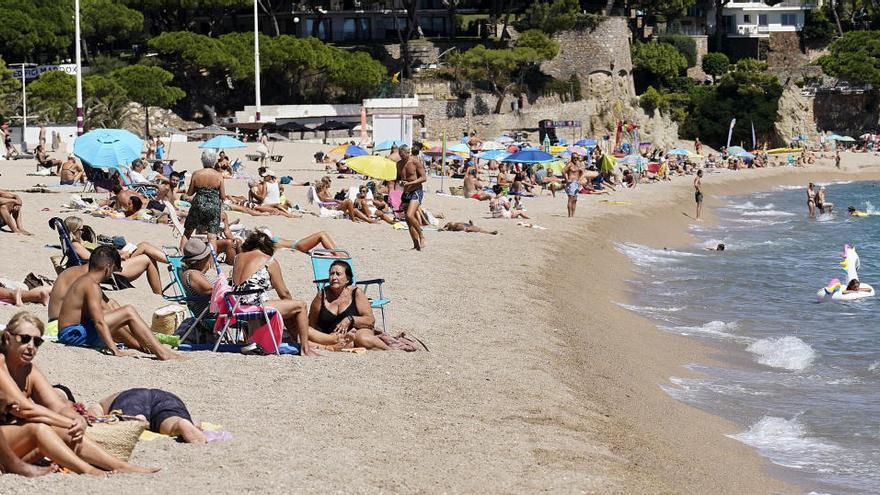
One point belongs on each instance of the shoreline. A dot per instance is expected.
(620, 359)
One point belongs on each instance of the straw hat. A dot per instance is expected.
(269, 173)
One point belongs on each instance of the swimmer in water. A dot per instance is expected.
(719, 247)
(853, 212)
(853, 286)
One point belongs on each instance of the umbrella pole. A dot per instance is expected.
(443, 162)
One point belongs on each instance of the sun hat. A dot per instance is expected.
(195, 249)
(269, 173)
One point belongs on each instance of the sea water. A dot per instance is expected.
(802, 378)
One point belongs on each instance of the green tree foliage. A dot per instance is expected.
(684, 44)
(106, 23)
(657, 62)
(817, 27)
(670, 9)
(105, 101)
(651, 100)
(715, 64)
(52, 96)
(35, 30)
(748, 93)
(550, 16)
(10, 91)
(149, 87)
(500, 70)
(181, 15)
(855, 57)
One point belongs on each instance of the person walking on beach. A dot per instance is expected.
(573, 173)
(811, 200)
(698, 193)
(411, 175)
(837, 158)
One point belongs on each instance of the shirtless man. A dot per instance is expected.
(465, 227)
(698, 193)
(573, 173)
(84, 321)
(411, 175)
(70, 171)
(824, 206)
(10, 212)
(473, 189)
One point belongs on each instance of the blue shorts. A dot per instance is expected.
(417, 195)
(81, 335)
(573, 188)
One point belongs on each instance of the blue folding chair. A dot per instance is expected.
(321, 261)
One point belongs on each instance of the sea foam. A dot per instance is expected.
(789, 352)
(786, 442)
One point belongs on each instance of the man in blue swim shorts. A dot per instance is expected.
(84, 321)
(411, 175)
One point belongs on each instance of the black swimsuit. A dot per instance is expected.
(327, 321)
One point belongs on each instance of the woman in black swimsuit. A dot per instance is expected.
(341, 313)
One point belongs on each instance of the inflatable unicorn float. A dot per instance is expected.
(838, 291)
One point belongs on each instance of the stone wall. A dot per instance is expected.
(600, 57)
(787, 60)
(848, 115)
(696, 72)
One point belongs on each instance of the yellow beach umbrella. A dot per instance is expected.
(556, 166)
(375, 166)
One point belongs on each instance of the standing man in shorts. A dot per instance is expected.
(573, 173)
(698, 193)
(410, 176)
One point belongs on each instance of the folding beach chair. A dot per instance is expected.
(175, 292)
(321, 261)
(69, 257)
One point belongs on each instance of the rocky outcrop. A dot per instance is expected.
(134, 120)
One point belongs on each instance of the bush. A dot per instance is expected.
(684, 44)
(817, 28)
(651, 100)
(657, 62)
(715, 64)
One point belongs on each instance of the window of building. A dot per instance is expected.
(319, 28)
(762, 19)
(433, 26)
(355, 28)
(728, 24)
(747, 19)
(789, 19)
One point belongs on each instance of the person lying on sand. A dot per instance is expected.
(142, 260)
(164, 411)
(41, 420)
(465, 227)
(85, 321)
(18, 297)
(10, 212)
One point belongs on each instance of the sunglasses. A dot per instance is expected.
(26, 339)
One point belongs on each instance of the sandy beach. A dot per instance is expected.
(536, 379)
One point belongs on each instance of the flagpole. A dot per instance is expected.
(257, 58)
(23, 112)
(80, 114)
(443, 161)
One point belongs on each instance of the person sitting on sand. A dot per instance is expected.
(367, 206)
(473, 188)
(223, 165)
(267, 196)
(61, 286)
(10, 463)
(143, 260)
(85, 321)
(10, 212)
(257, 268)
(341, 313)
(164, 191)
(322, 188)
(71, 172)
(41, 420)
(500, 207)
(855, 286)
(465, 227)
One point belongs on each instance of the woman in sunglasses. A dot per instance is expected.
(40, 419)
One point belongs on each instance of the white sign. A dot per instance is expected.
(35, 72)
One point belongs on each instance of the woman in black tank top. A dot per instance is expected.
(342, 314)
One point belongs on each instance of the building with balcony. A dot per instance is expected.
(755, 19)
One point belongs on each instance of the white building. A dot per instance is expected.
(755, 19)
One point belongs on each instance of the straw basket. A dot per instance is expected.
(117, 437)
(168, 318)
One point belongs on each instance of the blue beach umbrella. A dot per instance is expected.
(493, 155)
(529, 156)
(388, 144)
(735, 150)
(679, 151)
(459, 148)
(108, 148)
(586, 142)
(745, 154)
(222, 143)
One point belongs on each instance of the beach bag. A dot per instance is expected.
(167, 318)
(117, 434)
